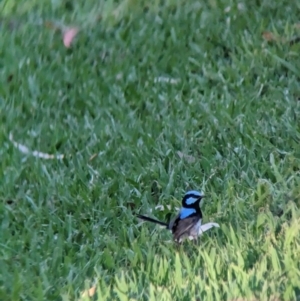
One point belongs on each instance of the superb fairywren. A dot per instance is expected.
(188, 221)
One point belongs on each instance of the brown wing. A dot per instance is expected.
(182, 227)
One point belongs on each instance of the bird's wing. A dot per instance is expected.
(182, 226)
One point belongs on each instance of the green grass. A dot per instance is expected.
(67, 225)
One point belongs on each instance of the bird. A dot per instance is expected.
(188, 222)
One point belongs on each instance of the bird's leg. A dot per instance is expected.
(178, 245)
(195, 240)
(178, 241)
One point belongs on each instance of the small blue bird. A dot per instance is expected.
(187, 224)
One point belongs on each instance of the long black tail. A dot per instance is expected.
(152, 220)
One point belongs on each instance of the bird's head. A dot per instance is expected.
(192, 199)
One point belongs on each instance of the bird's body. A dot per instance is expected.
(187, 223)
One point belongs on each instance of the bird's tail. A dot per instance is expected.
(152, 220)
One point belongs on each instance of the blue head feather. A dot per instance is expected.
(191, 197)
(195, 192)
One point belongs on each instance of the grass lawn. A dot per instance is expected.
(152, 99)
